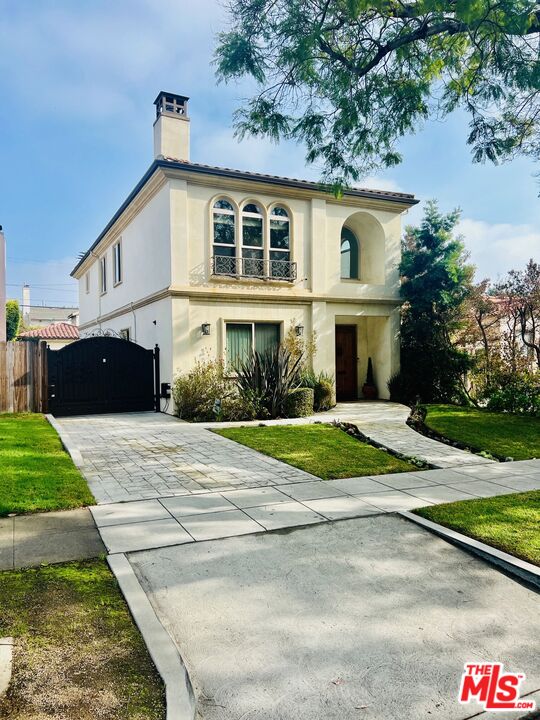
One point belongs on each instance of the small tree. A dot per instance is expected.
(13, 319)
(522, 290)
(436, 281)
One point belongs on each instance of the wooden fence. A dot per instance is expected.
(23, 376)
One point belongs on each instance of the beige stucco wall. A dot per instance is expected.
(146, 262)
(168, 291)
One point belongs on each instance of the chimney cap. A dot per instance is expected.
(171, 104)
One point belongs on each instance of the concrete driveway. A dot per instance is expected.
(368, 618)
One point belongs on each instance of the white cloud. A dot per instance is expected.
(377, 183)
(92, 59)
(215, 145)
(497, 248)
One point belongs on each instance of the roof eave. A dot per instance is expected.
(402, 199)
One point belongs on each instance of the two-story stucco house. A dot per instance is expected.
(211, 261)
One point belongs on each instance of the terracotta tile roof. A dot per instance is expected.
(55, 331)
(282, 180)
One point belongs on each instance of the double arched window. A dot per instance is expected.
(259, 248)
(350, 255)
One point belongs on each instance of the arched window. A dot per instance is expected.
(280, 244)
(252, 241)
(350, 255)
(223, 216)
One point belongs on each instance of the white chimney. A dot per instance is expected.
(25, 309)
(2, 286)
(171, 128)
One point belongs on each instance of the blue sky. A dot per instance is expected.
(77, 82)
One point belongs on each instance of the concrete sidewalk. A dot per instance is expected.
(53, 537)
(160, 522)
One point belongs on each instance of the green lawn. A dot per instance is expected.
(322, 450)
(507, 522)
(500, 434)
(36, 474)
(77, 653)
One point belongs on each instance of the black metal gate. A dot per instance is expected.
(102, 375)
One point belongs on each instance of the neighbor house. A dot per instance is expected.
(56, 335)
(212, 262)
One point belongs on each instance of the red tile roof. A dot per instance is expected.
(55, 331)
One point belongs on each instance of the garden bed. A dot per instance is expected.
(77, 653)
(36, 473)
(322, 450)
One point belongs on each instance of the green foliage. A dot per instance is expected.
(13, 319)
(436, 282)
(36, 473)
(300, 402)
(323, 389)
(370, 380)
(399, 389)
(349, 78)
(322, 450)
(266, 379)
(195, 393)
(498, 434)
(79, 653)
(301, 346)
(508, 522)
(519, 394)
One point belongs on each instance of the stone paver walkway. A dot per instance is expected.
(127, 527)
(137, 456)
(386, 424)
(29, 540)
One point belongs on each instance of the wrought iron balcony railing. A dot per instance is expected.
(223, 265)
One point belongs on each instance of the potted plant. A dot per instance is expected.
(369, 389)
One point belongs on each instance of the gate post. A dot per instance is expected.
(157, 379)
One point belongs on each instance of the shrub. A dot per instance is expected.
(399, 389)
(266, 379)
(196, 391)
(13, 319)
(519, 394)
(300, 402)
(236, 407)
(323, 389)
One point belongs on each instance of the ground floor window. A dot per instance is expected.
(243, 338)
(125, 333)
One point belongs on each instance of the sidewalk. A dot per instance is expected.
(53, 537)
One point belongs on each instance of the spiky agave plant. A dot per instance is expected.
(267, 379)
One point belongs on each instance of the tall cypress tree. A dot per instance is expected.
(436, 280)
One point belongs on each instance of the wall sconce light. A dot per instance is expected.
(205, 328)
(299, 330)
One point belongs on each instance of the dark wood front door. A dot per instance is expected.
(346, 380)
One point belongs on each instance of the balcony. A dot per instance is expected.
(283, 270)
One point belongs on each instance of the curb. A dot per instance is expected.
(521, 569)
(179, 695)
(496, 715)
(72, 451)
(6, 658)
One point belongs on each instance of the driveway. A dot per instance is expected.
(366, 618)
(137, 456)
